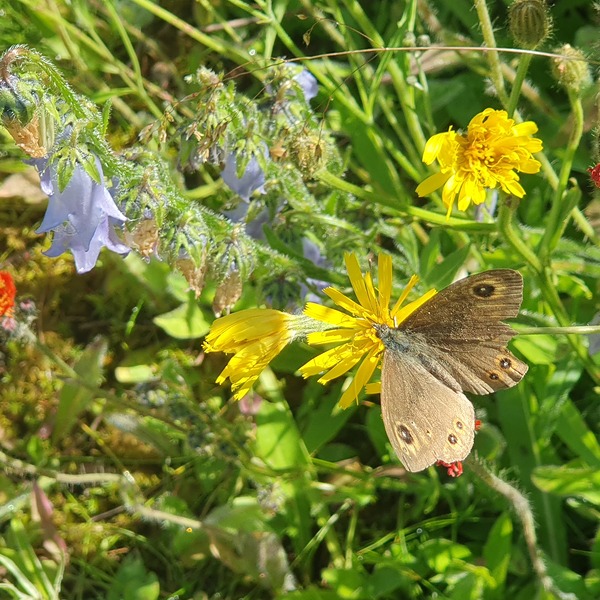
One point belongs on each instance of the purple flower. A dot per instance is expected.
(308, 82)
(83, 216)
(251, 181)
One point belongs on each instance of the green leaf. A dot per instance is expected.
(278, 441)
(88, 162)
(185, 322)
(497, 548)
(135, 374)
(243, 514)
(65, 169)
(537, 349)
(74, 398)
(444, 272)
(324, 422)
(441, 553)
(348, 584)
(134, 582)
(565, 481)
(575, 433)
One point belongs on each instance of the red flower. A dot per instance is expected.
(595, 174)
(455, 469)
(8, 291)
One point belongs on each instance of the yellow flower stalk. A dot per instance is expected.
(254, 337)
(489, 155)
(353, 329)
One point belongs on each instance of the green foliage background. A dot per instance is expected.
(160, 487)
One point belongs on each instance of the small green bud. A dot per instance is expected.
(571, 69)
(16, 106)
(530, 22)
(409, 40)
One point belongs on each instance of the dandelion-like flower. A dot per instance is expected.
(8, 291)
(255, 337)
(354, 331)
(489, 155)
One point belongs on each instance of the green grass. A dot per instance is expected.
(127, 472)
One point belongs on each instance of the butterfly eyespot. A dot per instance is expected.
(493, 376)
(452, 439)
(405, 434)
(459, 425)
(505, 363)
(483, 290)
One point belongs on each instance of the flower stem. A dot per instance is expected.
(493, 57)
(554, 302)
(563, 202)
(507, 229)
(522, 509)
(518, 83)
(575, 329)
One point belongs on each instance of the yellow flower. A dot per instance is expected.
(353, 330)
(254, 337)
(489, 155)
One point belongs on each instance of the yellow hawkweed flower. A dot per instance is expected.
(489, 155)
(254, 337)
(353, 330)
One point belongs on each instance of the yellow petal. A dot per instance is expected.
(330, 336)
(363, 374)
(329, 315)
(432, 183)
(434, 145)
(384, 279)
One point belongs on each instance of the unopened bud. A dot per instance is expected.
(530, 22)
(571, 69)
(228, 292)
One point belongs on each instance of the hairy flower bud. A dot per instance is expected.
(530, 22)
(228, 292)
(16, 106)
(571, 69)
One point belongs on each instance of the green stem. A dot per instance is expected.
(562, 206)
(522, 509)
(574, 329)
(524, 62)
(492, 55)
(422, 214)
(584, 226)
(507, 229)
(553, 300)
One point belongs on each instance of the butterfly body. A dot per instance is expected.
(453, 343)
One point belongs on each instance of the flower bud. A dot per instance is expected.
(193, 273)
(15, 106)
(571, 69)
(306, 151)
(530, 22)
(228, 292)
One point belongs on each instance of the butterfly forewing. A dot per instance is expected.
(463, 330)
(471, 309)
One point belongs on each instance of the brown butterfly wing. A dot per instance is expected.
(424, 419)
(463, 330)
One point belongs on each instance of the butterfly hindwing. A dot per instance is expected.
(425, 420)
